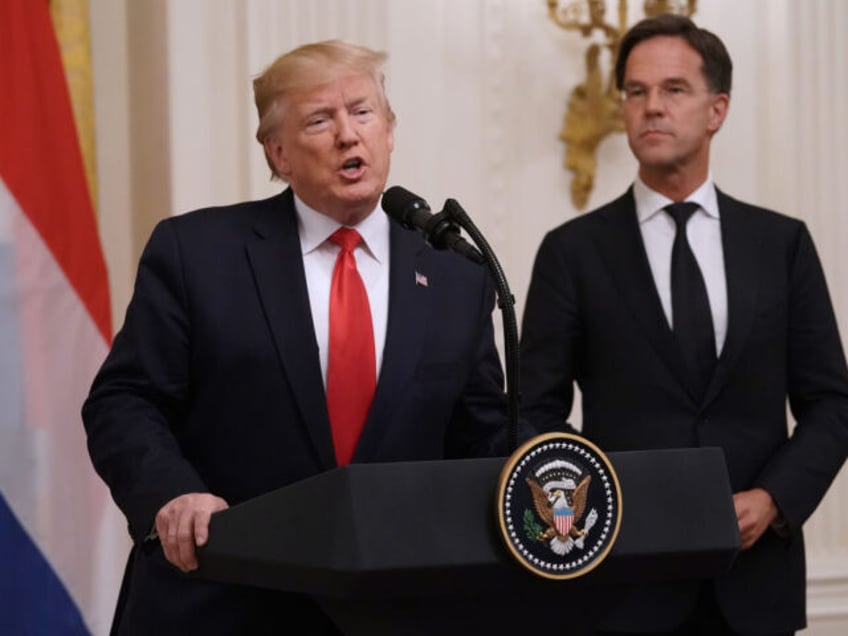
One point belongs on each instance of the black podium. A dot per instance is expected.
(414, 547)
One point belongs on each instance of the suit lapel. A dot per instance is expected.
(410, 310)
(624, 252)
(277, 264)
(741, 245)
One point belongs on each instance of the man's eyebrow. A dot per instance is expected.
(664, 82)
(316, 110)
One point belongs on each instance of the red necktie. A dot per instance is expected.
(351, 366)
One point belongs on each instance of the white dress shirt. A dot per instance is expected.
(319, 260)
(704, 234)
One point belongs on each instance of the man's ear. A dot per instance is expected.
(718, 112)
(276, 154)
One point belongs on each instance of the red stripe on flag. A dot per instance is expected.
(40, 158)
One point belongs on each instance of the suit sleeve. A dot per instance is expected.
(799, 474)
(550, 335)
(140, 395)
(480, 419)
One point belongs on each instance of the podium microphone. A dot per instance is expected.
(442, 231)
(414, 214)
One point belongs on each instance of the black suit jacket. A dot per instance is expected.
(593, 316)
(214, 385)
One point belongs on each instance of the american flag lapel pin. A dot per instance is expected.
(420, 279)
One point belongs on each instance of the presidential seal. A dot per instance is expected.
(559, 505)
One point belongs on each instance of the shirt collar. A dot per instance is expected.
(315, 228)
(650, 202)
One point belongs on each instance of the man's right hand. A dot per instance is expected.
(183, 523)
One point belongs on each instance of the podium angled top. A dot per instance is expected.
(418, 528)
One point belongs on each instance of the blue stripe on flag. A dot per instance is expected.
(35, 603)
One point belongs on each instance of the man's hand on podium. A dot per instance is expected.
(183, 523)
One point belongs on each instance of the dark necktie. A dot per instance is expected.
(351, 365)
(690, 307)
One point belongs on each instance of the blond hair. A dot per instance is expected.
(308, 66)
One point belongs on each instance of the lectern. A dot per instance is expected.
(413, 547)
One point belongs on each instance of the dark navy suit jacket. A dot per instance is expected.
(213, 384)
(593, 316)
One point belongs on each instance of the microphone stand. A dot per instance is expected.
(506, 302)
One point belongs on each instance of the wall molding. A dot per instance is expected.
(827, 588)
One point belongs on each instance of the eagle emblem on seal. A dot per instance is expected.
(558, 505)
(559, 491)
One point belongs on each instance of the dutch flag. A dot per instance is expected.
(62, 540)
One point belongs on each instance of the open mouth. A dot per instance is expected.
(352, 165)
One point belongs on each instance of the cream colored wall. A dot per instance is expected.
(480, 88)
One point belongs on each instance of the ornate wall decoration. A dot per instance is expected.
(593, 109)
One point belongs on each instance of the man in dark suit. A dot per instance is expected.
(214, 390)
(600, 312)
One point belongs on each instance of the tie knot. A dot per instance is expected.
(681, 212)
(346, 238)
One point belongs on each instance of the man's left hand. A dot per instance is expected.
(755, 512)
